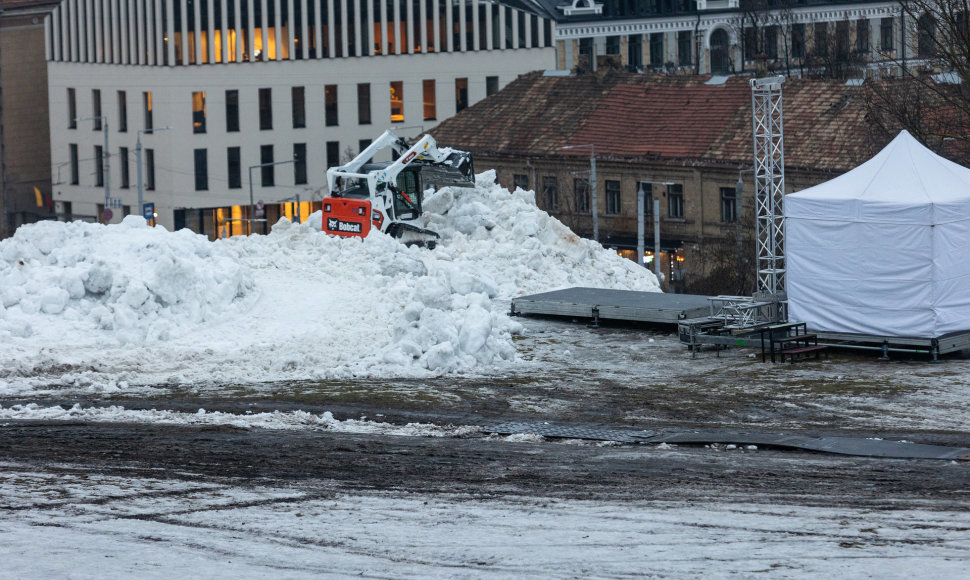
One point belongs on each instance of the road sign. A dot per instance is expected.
(148, 211)
(114, 202)
(108, 214)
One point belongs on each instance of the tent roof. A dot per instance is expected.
(904, 171)
(905, 182)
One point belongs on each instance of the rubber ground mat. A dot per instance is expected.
(858, 446)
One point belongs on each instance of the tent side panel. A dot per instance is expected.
(951, 274)
(860, 278)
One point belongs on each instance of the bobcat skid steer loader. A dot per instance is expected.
(388, 195)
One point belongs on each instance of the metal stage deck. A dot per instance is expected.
(706, 330)
(606, 304)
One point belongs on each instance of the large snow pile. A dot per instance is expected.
(107, 307)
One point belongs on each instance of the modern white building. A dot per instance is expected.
(215, 91)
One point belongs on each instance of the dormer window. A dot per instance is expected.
(581, 7)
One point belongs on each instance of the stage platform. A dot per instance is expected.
(605, 304)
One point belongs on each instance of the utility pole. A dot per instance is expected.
(252, 207)
(141, 185)
(656, 224)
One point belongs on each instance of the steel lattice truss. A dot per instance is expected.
(769, 178)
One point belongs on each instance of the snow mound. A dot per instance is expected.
(107, 308)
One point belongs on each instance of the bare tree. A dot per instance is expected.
(932, 98)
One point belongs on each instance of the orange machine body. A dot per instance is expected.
(348, 216)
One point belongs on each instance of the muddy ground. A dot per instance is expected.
(611, 377)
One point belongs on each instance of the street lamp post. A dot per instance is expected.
(592, 179)
(656, 226)
(105, 164)
(141, 207)
(252, 213)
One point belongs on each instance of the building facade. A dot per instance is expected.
(793, 37)
(686, 148)
(213, 95)
(24, 138)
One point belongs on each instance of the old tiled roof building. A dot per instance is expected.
(684, 140)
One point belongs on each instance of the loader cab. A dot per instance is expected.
(407, 195)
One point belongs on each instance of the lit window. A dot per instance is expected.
(397, 101)
(430, 101)
(198, 112)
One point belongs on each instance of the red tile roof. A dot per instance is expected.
(678, 119)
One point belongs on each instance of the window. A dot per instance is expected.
(75, 173)
(491, 86)
(149, 169)
(581, 194)
(299, 108)
(333, 153)
(122, 112)
(647, 197)
(123, 160)
(612, 197)
(430, 101)
(461, 95)
(550, 192)
(684, 48)
(520, 182)
(862, 36)
(926, 36)
(147, 110)
(675, 201)
(363, 144)
(98, 166)
(198, 112)
(656, 49)
(299, 167)
(201, 170)
(612, 45)
(798, 40)
(397, 101)
(234, 163)
(750, 43)
(268, 176)
(842, 39)
(330, 105)
(232, 111)
(771, 42)
(886, 34)
(585, 52)
(363, 104)
(729, 204)
(265, 109)
(96, 108)
(71, 109)
(634, 51)
(821, 38)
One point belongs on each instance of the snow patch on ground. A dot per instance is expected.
(109, 308)
(293, 420)
(92, 525)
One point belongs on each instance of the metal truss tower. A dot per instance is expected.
(769, 179)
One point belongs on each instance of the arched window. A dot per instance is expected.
(720, 52)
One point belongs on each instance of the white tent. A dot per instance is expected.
(884, 249)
